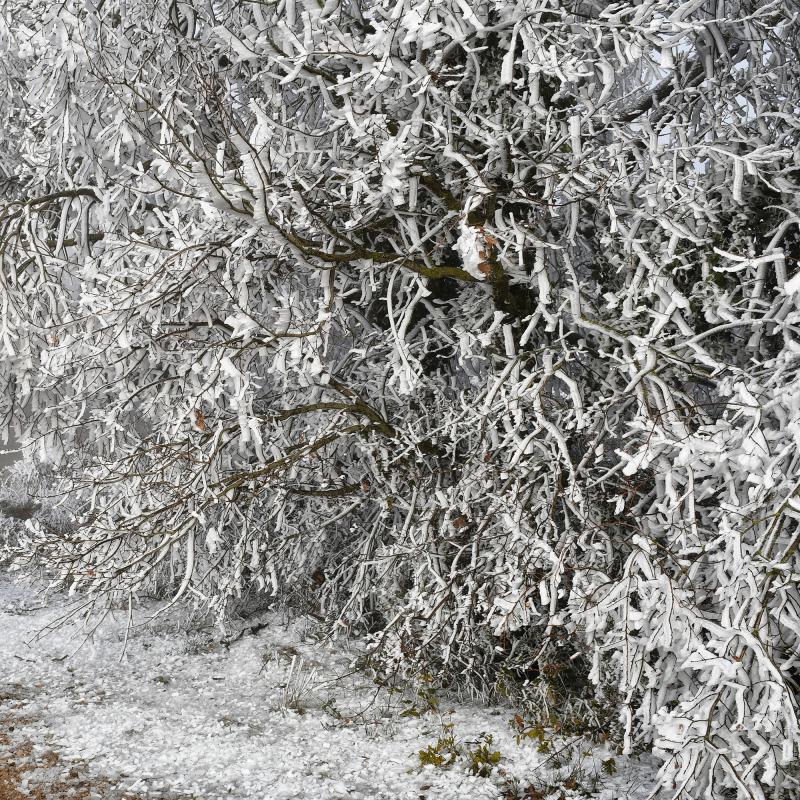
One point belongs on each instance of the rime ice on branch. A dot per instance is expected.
(477, 318)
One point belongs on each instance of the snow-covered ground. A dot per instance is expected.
(273, 716)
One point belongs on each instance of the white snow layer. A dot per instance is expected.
(274, 716)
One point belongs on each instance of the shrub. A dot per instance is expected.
(471, 324)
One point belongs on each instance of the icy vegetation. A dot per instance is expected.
(470, 326)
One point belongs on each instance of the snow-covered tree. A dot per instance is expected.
(475, 319)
